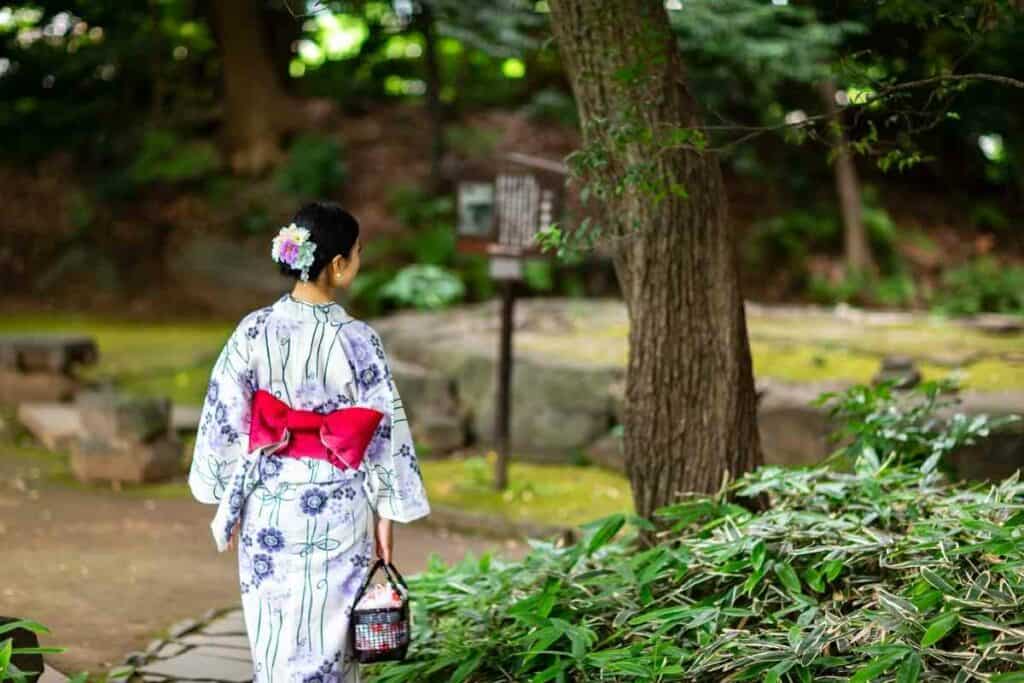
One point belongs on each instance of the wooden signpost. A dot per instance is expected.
(500, 217)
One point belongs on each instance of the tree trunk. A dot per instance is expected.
(690, 411)
(256, 105)
(856, 251)
(425, 24)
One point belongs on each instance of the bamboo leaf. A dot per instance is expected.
(939, 628)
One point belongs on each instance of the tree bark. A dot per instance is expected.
(690, 410)
(256, 104)
(425, 24)
(856, 250)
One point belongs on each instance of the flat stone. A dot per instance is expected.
(182, 627)
(195, 666)
(93, 460)
(230, 623)
(51, 675)
(168, 649)
(55, 425)
(115, 417)
(225, 652)
(236, 641)
(185, 418)
(46, 353)
(17, 387)
(607, 452)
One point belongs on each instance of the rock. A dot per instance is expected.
(440, 433)
(183, 627)
(995, 323)
(54, 425)
(16, 386)
(49, 354)
(117, 418)
(185, 418)
(607, 452)
(900, 369)
(792, 431)
(192, 665)
(95, 460)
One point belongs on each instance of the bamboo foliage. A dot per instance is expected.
(883, 571)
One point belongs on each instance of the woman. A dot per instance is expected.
(302, 439)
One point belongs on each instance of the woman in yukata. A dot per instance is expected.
(302, 440)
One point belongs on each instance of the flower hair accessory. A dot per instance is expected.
(293, 247)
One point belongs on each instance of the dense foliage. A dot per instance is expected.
(884, 572)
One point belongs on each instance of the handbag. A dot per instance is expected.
(381, 634)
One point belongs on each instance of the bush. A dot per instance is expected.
(165, 157)
(314, 168)
(983, 285)
(888, 571)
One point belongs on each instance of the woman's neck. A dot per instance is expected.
(312, 293)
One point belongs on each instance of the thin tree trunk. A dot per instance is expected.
(425, 23)
(255, 102)
(690, 413)
(856, 250)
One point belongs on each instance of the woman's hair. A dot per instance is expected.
(331, 228)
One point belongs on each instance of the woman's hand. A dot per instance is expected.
(383, 537)
(233, 536)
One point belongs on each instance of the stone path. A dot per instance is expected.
(109, 573)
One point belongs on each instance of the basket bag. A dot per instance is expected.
(381, 634)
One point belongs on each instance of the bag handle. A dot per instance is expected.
(388, 568)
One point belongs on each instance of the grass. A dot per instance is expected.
(542, 493)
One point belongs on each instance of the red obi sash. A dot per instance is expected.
(339, 437)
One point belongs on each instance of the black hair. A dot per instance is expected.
(331, 228)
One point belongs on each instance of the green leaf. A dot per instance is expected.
(608, 529)
(27, 624)
(788, 577)
(757, 555)
(910, 670)
(1011, 677)
(876, 667)
(939, 628)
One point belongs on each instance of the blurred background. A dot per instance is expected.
(151, 149)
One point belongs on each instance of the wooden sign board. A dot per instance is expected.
(505, 214)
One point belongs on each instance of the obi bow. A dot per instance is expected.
(339, 437)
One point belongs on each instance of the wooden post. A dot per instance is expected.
(504, 398)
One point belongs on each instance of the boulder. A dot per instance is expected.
(51, 354)
(96, 460)
(607, 452)
(17, 386)
(55, 425)
(119, 418)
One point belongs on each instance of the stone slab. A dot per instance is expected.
(46, 353)
(55, 425)
(93, 460)
(17, 387)
(196, 666)
(230, 623)
(237, 641)
(185, 418)
(51, 675)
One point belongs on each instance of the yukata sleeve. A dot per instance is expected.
(393, 482)
(223, 434)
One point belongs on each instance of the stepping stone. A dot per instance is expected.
(185, 418)
(230, 624)
(55, 425)
(193, 665)
(52, 676)
(46, 353)
(234, 641)
(224, 652)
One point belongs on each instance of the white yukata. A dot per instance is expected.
(305, 544)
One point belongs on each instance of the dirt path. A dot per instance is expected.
(107, 572)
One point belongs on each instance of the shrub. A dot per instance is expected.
(982, 285)
(426, 287)
(315, 167)
(165, 157)
(886, 572)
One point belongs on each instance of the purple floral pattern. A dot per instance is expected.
(304, 545)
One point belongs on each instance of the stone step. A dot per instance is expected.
(55, 425)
